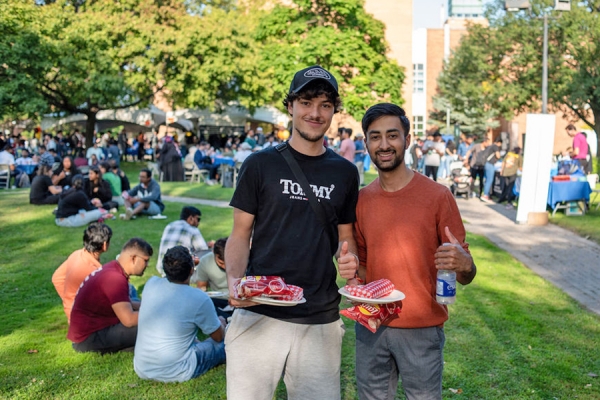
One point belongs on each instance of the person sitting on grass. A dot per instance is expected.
(74, 207)
(42, 190)
(183, 232)
(103, 318)
(119, 172)
(210, 274)
(65, 172)
(70, 275)
(143, 198)
(98, 190)
(166, 347)
(114, 182)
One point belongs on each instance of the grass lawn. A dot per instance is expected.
(511, 334)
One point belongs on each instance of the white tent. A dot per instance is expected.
(152, 117)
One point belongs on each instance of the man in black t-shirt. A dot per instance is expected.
(42, 189)
(289, 240)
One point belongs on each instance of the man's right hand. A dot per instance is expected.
(239, 303)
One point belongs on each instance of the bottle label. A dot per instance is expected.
(445, 288)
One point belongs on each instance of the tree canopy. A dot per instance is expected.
(338, 35)
(500, 67)
(86, 56)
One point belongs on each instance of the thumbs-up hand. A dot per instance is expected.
(452, 256)
(347, 262)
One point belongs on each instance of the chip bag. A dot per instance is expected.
(371, 316)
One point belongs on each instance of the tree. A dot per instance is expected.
(338, 35)
(107, 55)
(474, 121)
(500, 66)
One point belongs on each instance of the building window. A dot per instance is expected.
(418, 126)
(418, 78)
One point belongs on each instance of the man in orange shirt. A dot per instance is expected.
(402, 220)
(69, 276)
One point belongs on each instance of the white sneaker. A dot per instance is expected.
(128, 214)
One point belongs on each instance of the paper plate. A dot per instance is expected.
(396, 295)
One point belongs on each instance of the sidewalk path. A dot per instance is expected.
(562, 257)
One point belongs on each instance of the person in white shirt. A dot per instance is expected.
(243, 152)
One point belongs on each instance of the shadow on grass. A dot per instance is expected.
(33, 247)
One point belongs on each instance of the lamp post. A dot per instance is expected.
(560, 5)
(545, 68)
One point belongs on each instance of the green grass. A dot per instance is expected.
(511, 334)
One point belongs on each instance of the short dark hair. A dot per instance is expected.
(219, 248)
(349, 130)
(95, 235)
(77, 181)
(571, 127)
(314, 89)
(113, 164)
(382, 110)
(138, 244)
(105, 165)
(189, 211)
(177, 264)
(148, 172)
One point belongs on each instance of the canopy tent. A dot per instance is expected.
(233, 115)
(130, 118)
(185, 119)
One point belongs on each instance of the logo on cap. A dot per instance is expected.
(317, 73)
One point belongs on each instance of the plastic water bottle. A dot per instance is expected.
(445, 292)
(446, 287)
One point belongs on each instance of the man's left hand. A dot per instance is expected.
(452, 256)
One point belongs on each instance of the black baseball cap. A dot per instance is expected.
(307, 75)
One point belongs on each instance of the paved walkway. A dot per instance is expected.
(565, 259)
(562, 257)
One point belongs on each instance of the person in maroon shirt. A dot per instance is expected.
(103, 318)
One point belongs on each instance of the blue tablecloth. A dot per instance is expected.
(28, 169)
(568, 191)
(223, 160)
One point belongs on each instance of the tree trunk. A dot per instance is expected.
(89, 129)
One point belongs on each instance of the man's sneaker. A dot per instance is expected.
(509, 206)
(486, 199)
(113, 210)
(128, 214)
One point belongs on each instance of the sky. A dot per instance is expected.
(426, 13)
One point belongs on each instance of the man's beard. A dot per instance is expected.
(397, 161)
(308, 138)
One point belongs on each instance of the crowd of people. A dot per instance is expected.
(103, 309)
(402, 227)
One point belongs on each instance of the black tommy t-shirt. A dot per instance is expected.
(288, 239)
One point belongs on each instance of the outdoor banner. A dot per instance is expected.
(537, 163)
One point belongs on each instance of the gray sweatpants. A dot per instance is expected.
(259, 349)
(414, 354)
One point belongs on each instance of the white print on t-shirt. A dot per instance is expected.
(294, 188)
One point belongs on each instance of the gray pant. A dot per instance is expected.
(83, 218)
(260, 348)
(416, 355)
(109, 340)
